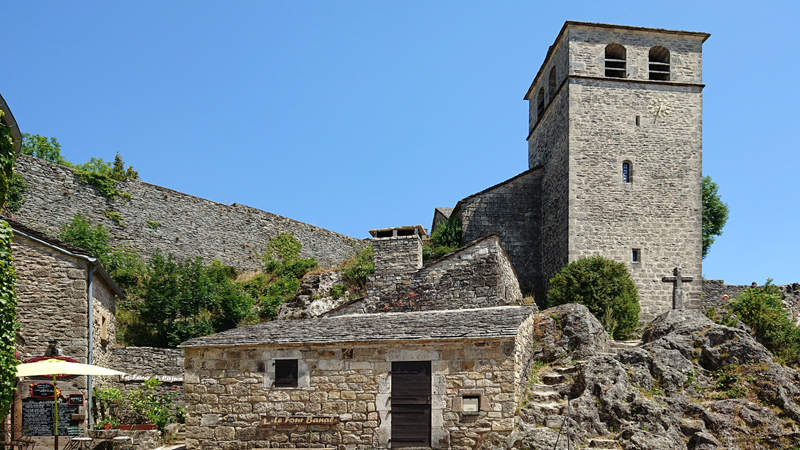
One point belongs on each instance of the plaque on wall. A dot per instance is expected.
(277, 421)
(75, 399)
(43, 390)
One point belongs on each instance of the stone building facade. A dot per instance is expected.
(345, 391)
(615, 140)
(54, 281)
(159, 218)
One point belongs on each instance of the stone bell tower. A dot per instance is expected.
(616, 124)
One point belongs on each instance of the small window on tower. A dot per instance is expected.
(615, 61)
(659, 63)
(626, 172)
(551, 87)
(636, 255)
(285, 373)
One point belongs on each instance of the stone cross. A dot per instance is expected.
(677, 289)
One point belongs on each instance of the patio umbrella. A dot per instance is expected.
(57, 367)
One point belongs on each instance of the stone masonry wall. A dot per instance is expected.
(161, 218)
(588, 45)
(148, 362)
(476, 276)
(52, 304)
(511, 209)
(51, 291)
(548, 146)
(228, 391)
(659, 212)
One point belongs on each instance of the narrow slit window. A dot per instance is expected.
(551, 87)
(638, 121)
(626, 172)
(286, 373)
(636, 255)
(539, 104)
(659, 64)
(615, 61)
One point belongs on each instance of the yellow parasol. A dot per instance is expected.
(57, 367)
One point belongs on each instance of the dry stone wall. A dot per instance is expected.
(715, 291)
(479, 275)
(140, 363)
(159, 218)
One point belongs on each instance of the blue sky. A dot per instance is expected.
(360, 115)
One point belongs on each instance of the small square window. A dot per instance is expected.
(285, 373)
(471, 404)
(636, 255)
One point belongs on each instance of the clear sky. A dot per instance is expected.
(359, 115)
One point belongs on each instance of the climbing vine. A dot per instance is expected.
(8, 297)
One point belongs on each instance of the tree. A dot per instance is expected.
(44, 148)
(81, 233)
(715, 213)
(602, 285)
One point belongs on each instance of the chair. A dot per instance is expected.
(79, 443)
(127, 441)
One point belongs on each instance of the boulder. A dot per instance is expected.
(568, 329)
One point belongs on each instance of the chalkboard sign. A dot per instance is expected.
(42, 390)
(37, 418)
(75, 399)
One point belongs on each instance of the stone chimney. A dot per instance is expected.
(398, 250)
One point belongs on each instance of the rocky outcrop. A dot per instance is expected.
(315, 297)
(690, 384)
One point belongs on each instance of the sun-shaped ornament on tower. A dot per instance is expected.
(659, 108)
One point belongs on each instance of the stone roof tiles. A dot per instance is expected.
(497, 322)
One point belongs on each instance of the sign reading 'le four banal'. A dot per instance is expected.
(276, 421)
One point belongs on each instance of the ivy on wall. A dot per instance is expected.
(8, 297)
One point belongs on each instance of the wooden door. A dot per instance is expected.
(411, 404)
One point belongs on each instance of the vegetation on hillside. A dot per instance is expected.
(169, 301)
(761, 309)
(715, 213)
(602, 285)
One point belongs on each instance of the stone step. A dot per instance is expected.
(622, 345)
(566, 370)
(553, 378)
(546, 396)
(549, 408)
(604, 443)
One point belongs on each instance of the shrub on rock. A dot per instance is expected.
(603, 286)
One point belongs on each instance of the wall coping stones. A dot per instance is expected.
(478, 323)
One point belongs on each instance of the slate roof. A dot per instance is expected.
(497, 322)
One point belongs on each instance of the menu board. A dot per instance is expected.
(38, 418)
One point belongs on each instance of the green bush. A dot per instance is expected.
(444, 239)
(762, 310)
(283, 270)
(356, 270)
(603, 286)
(81, 233)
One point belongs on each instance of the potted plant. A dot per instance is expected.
(154, 408)
(108, 405)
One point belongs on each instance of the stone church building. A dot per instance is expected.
(615, 163)
(437, 356)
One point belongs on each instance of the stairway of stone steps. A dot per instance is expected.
(549, 397)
